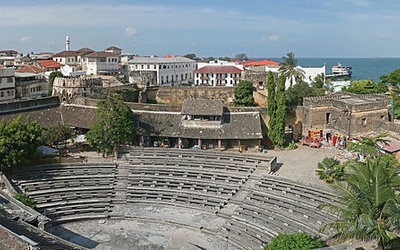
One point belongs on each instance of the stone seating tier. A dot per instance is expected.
(183, 197)
(221, 156)
(207, 165)
(189, 173)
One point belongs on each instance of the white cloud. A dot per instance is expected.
(130, 31)
(26, 39)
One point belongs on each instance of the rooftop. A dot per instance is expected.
(158, 60)
(219, 69)
(202, 107)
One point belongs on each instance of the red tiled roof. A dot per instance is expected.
(260, 63)
(101, 54)
(219, 69)
(65, 53)
(29, 69)
(49, 64)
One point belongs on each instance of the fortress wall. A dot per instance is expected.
(175, 95)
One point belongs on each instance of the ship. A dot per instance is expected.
(340, 71)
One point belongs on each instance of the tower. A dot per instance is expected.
(67, 43)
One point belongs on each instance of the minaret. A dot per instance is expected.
(67, 43)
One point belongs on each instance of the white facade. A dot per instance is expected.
(218, 75)
(101, 63)
(30, 85)
(309, 73)
(169, 71)
(7, 84)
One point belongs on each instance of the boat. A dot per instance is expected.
(340, 71)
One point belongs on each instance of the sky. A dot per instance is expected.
(218, 28)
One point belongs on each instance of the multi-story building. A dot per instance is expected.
(161, 71)
(7, 84)
(218, 75)
(101, 63)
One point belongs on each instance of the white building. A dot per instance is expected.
(218, 75)
(7, 84)
(309, 73)
(101, 63)
(167, 70)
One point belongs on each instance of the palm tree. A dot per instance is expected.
(290, 70)
(370, 207)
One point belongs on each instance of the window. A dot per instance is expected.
(364, 121)
(382, 117)
(1, 94)
(10, 79)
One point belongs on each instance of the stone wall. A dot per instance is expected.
(175, 95)
(348, 117)
(29, 104)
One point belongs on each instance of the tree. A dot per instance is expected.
(191, 56)
(370, 206)
(244, 94)
(271, 109)
(365, 87)
(368, 145)
(296, 241)
(18, 141)
(241, 57)
(394, 93)
(52, 77)
(290, 70)
(280, 116)
(296, 93)
(393, 78)
(113, 125)
(56, 134)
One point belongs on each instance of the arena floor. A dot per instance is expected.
(153, 227)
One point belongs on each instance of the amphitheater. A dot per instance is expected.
(153, 198)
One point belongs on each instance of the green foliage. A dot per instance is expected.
(57, 133)
(279, 135)
(365, 87)
(241, 57)
(271, 109)
(393, 78)
(370, 206)
(296, 241)
(244, 94)
(53, 76)
(25, 199)
(18, 140)
(113, 125)
(191, 56)
(394, 93)
(127, 94)
(296, 93)
(292, 146)
(289, 70)
(330, 169)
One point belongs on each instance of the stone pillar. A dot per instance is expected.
(219, 144)
(199, 143)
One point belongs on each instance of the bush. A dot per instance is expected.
(25, 199)
(330, 169)
(296, 241)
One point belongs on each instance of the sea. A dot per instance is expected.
(363, 68)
